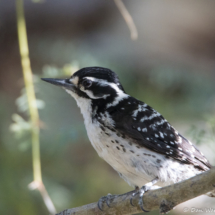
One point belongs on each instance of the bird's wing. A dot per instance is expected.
(138, 121)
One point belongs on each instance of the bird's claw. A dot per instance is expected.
(131, 202)
(105, 199)
(140, 192)
(140, 202)
(133, 194)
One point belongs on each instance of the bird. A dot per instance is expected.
(132, 137)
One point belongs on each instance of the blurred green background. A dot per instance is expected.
(170, 66)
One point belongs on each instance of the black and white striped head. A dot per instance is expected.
(94, 83)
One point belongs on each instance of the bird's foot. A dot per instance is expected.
(105, 199)
(140, 192)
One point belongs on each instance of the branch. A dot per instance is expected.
(128, 19)
(164, 198)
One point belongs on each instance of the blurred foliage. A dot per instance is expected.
(38, 1)
(196, 134)
(72, 171)
(205, 134)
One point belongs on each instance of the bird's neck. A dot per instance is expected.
(101, 105)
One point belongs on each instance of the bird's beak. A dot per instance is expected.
(65, 83)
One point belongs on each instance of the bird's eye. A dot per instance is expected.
(87, 83)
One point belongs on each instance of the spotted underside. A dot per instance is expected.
(138, 121)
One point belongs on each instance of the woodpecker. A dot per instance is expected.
(136, 140)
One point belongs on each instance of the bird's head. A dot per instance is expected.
(99, 85)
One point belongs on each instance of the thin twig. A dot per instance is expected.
(34, 116)
(28, 79)
(164, 199)
(128, 19)
(46, 198)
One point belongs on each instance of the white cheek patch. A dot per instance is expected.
(91, 95)
(74, 80)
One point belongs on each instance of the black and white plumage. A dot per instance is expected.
(128, 134)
